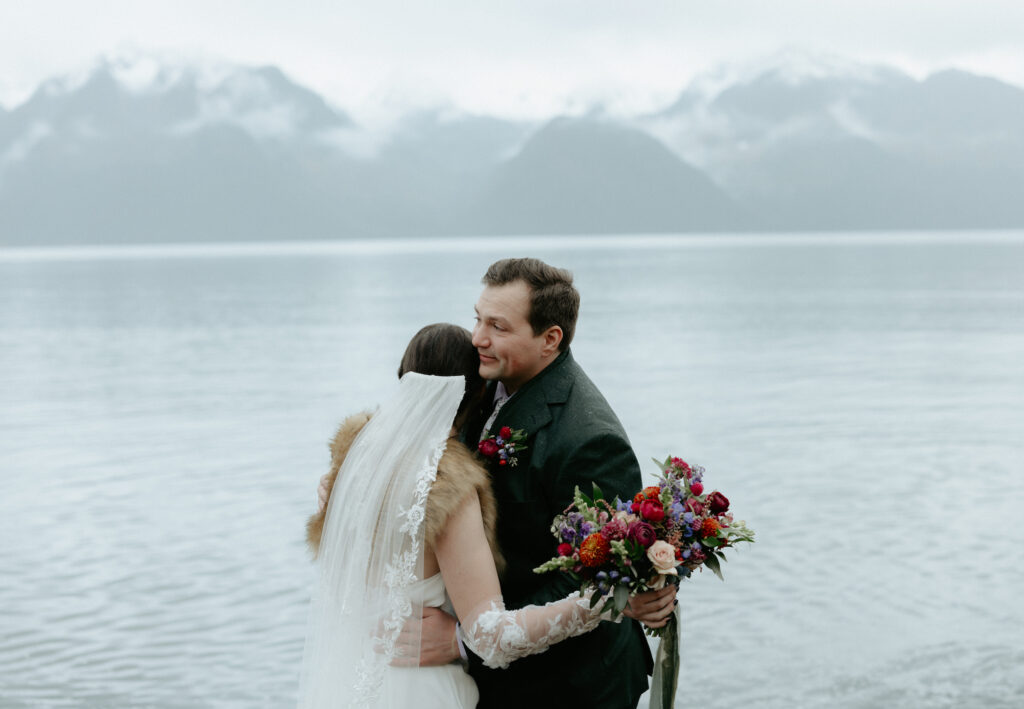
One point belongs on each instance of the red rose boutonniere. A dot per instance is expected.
(504, 446)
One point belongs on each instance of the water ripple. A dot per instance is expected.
(163, 426)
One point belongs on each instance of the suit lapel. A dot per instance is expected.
(529, 408)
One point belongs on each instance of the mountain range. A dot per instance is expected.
(185, 153)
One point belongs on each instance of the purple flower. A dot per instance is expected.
(621, 506)
(586, 528)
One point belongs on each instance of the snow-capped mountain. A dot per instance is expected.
(851, 146)
(141, 96)
(149, 149)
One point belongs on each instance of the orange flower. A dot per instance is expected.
(709, 527)
(594, 550)
(652, 492)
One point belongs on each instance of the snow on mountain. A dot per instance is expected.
(143, 95)
(831, 144)
(145, 148)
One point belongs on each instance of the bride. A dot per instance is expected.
(410, 523)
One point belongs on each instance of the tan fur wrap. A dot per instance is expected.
(459, 474)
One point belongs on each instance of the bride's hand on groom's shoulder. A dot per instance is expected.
(652, 608)
(323, 492)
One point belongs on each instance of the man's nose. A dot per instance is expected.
(478, 338)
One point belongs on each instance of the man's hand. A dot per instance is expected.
(652, 608)
(433, 637)
(322, 494)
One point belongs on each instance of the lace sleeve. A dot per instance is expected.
(499, 636)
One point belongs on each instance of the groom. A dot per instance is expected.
(525, 320)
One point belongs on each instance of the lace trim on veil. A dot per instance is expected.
(399, 575)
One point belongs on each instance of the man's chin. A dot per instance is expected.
(488, 371)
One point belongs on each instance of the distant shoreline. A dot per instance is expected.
(531, 243)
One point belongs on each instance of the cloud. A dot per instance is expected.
(22, 146)
(527, 58)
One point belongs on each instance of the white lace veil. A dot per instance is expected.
(371, 548)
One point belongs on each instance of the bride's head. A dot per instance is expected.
(446, 350)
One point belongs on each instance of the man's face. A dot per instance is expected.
(509, 351)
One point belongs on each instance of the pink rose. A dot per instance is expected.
(663, 556)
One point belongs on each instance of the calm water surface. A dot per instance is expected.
(860, 398)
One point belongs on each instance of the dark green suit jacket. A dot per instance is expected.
(574, 438)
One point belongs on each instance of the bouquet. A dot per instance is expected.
(617, 549)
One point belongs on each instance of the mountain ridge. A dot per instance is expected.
(181, 153)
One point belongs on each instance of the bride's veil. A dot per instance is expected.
(371, 549)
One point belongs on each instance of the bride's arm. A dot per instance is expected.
(496, 635)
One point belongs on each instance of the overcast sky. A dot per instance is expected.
(523, 57)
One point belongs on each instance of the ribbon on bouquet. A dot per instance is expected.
(665, 679)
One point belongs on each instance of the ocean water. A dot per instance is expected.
(164, 413)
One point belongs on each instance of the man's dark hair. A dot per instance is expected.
(446, 350)
(553, 298)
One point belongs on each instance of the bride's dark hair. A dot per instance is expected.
(446, 350)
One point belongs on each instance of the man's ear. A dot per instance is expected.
(552, 339)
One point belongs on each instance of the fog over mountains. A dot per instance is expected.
(134, 153)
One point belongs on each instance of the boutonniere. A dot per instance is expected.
(504, 446)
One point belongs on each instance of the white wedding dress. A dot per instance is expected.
(372, 591)
(443, 686)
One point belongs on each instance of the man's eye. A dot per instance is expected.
(499, 328)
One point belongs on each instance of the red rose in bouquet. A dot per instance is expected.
(641, 533)
(652, 510)
(718, 502)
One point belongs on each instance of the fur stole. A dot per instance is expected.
(459, 475)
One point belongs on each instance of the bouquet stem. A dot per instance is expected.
(666, 665)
